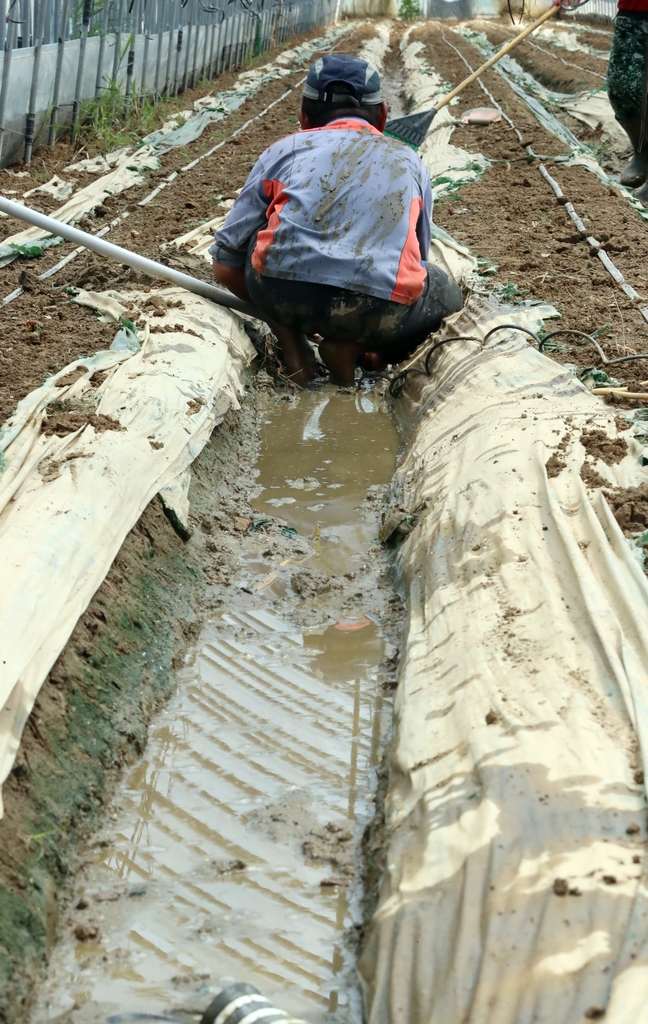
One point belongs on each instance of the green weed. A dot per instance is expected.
(408, 10)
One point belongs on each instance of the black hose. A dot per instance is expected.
(590, 337)
(397, 383)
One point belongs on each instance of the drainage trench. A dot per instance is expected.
(232, 850)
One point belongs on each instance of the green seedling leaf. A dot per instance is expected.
(591, 375)
(598, 332)
(30, 251)
(129, 325)
(506, 291)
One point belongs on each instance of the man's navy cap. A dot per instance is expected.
(336, 69)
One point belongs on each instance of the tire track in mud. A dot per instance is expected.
(235, 848)
(511, 217)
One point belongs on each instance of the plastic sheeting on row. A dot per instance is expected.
(127, 172)
(448, 165)
(514, 888)
(567, 39)
(67, 500)
(374, 50)
(130, 164)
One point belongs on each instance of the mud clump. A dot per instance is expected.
(609, 449)
(630, 508)
(331, 844)
(554, 465)
(310, 583)
(64, 423)
(590, 477)
(86, 932)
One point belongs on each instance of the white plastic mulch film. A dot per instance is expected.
(514, 888)
(131, 422)
(449, 165)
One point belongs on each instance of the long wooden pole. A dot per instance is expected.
(498, 56)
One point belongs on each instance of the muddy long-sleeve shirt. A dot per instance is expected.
(341, 205)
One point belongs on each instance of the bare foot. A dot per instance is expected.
(373, 361)
(297, 354)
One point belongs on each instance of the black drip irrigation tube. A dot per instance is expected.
(397, 382)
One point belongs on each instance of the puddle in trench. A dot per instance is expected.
(257, 780)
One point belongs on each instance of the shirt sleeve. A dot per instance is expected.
(423, 231)
(245, 219)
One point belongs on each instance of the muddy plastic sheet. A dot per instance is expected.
(566, 39)
(374, 50)
(449, 165)
(514, 889)
(594, 110)
(67, 500)
(592, 106)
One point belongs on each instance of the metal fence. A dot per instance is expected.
(595, 11)
(56, 54)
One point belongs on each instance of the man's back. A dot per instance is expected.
(341, 205)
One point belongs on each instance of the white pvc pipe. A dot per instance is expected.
(131, 259)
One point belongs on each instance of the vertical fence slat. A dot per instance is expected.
(146, 29)
(204, 38)
(187, 45)
(102, 45)
(158, 54)
(194, 73)
(51, 137)
(176, 82)
(212, 48)
(76, 106)
(173, 14)
(118, 35)
(30, 121)
(12, 32)
(132, 40)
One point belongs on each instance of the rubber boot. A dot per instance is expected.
(642, 195)
(635, 173)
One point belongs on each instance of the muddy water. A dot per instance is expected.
(258, 777)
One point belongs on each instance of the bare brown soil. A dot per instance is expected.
(512, 217)
(630, 508)
(556, 68)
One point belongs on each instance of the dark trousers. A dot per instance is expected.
(339, 314)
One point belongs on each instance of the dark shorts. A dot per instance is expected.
(338, 314)
(626, 76)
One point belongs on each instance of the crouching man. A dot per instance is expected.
(331, 232)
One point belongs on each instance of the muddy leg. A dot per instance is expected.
(340, 359)
(296, 352)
